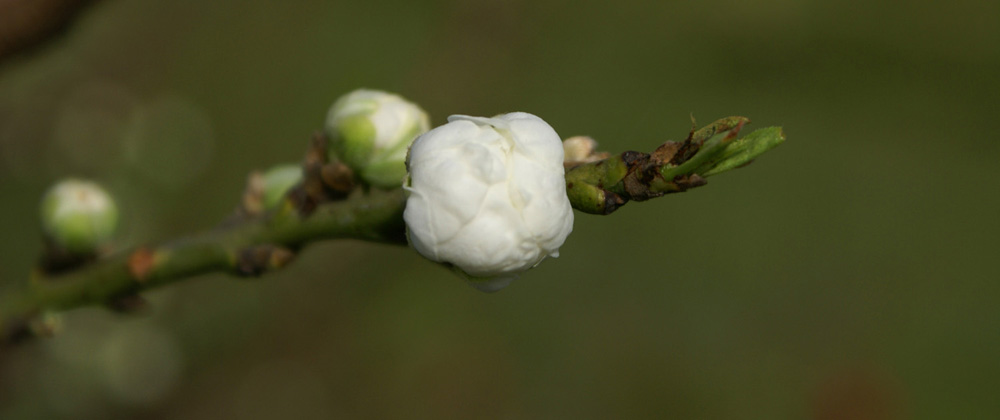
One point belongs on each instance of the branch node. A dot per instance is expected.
(323, 180)
(612, 202)
(255, 260)
(664, 154)
(337, 178)
(140, 264)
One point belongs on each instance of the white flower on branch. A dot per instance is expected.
(488, 196)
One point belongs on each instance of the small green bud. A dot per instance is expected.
(371, 131)
(79, 216)
(278, 181)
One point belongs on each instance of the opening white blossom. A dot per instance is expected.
(488, 196)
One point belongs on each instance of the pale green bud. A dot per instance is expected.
(371, 130)
(79, 215)
(277, 182)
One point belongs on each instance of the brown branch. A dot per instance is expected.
(27, 24)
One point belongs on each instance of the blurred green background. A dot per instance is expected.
(850, 273)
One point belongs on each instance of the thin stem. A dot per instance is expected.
(249, 247)
(329, 205)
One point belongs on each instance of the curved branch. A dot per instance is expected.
(329, 205)
(246, 248)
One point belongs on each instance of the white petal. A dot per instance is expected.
(488, 194)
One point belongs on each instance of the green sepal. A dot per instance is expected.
(744, 150)
(278, 181)
(590, 186)
(353, 140)
(387, 174)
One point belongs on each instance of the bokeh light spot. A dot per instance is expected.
(170, 141)
(141, 364)
(90, 125)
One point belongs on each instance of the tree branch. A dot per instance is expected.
(602, 186)
(329, 204)
(248, 248)
(26, 24)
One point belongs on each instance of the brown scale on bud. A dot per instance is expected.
(612, 201)
(636, 183)
(337, 177)
(601, 187)
(665, 153)
(323, 180)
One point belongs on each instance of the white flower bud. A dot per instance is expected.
(79, 215)
(370, 131)
(488, 196)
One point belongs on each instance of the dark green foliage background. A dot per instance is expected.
(850, 271)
